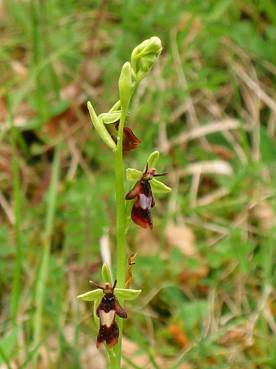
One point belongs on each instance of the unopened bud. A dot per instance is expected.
(126, 85)
(144, 56)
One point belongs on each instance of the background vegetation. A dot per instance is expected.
(208, 268)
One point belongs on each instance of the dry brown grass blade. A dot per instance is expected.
(213, 196)
(7, 208)
(255, 87)
(206, 167)
(201, 131)
(182, 237)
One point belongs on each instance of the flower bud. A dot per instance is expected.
(126, 85)
(144, 56)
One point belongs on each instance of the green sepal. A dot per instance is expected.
(111, 117)
(159, 187)
(100, 127)
(91, 295)
(116, 106)
(126, 294)
(153, 159)
(133, 174)
(126, 85)
(106, 274)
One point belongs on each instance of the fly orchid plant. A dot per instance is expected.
(109, 298)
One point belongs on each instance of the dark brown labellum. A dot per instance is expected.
(106, 311)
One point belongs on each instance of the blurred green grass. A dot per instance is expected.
(208, 269)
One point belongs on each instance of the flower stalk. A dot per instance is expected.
(120, 206)
(120, 140)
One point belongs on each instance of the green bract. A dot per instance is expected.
(100, 127)
(111, 117)
(144, 56)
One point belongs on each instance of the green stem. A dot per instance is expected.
(43, 270)
(120, 207)
(120, 229)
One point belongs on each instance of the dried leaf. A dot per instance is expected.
(178, 335)
(265, 215)
(148, 243)
(182, 237)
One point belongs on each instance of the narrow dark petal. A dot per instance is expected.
(160, 174)
(120, 311)
(134, 192)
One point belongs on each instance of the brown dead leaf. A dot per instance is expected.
(3, 109)
(147, 241)
(5, 160)
(178, 335)
(265, 215)
(197, 273)
(132, 351)
(193, 27)
(185, 366)
(2, 10)
(223, 152)
(19, 69)
(182, 237)
(55, 125)
(192, 278)
(92, 73)
(234, 336)
(88, 353)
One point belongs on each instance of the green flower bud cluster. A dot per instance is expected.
(142, 59)
(144, 56)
